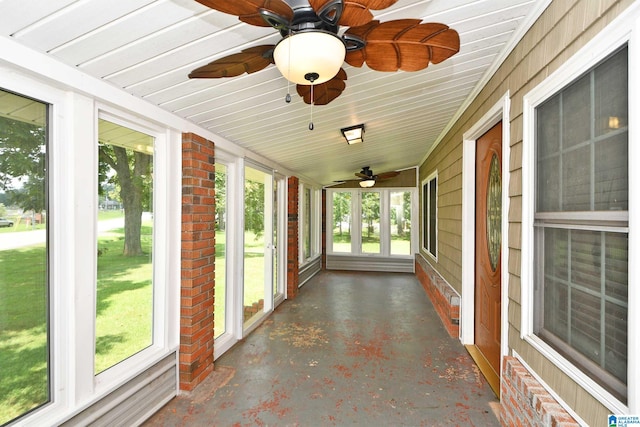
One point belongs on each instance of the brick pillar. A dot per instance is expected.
(197, 265)
(292, 237)
(323, 228)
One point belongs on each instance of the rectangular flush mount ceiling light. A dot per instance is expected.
(353, 134)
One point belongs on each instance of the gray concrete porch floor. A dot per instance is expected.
(353, 348)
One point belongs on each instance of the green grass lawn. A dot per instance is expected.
(124, 299)
(23, 335)
(220, 295)
(253, 276)
(123, 323)
(400, 245)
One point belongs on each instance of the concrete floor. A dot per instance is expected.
(352, 349)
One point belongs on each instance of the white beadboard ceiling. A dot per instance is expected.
(148, 47)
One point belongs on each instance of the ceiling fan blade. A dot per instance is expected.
(374, 4)
(325, 92)
(249, 10)
(248, 61)
(363, 176)
(404, 44)
(387, 175)
(355, 12)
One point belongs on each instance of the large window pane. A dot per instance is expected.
(584, 306)
(221, 250)
(257, 188)
(582, 164)
(371, 222)
(306, 224)
(433, 219)
(24, 320)
(582, 279)
(400, 204)
(341, 222)
(124, 310)
(430, 215)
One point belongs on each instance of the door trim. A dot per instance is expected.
(499, 112)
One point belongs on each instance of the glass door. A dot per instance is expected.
(258, 245)
(279, 238)
(220, 305)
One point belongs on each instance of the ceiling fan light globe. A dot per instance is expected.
(367, 183)
(310, 52)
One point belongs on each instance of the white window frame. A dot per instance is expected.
(233, 328)
(426, 214)
(356, 221)
(329, 219)
(314, 223)
(387, 220)
(161, 254)
(73, 203)
(59, 321)
(624, 29)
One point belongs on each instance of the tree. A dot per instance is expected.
(22, 163)
(133, 176)
(406, 209)
(254, 207)
(220, 185)
(341, 208)
(370, 209)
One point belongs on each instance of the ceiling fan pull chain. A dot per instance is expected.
(287, 98)
(311, 77)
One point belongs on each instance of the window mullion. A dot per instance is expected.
(603, 291)
(561, 151)
(569, 286)
(592, 135)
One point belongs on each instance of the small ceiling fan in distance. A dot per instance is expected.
(314, 47)
(367, 179)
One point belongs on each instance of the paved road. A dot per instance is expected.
(21, 239)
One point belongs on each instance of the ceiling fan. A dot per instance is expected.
(368, 179)
(313, 49)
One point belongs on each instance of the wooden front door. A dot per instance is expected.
(487, 247)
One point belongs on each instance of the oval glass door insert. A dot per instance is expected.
(494, 212)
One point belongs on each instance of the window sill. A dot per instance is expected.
(582, 379)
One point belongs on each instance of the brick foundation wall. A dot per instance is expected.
(293, 279)
(444, 299)
(197, 264)
(524, 402)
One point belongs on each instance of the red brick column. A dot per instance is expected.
(293, 279)
(323, 228)
(198, 256)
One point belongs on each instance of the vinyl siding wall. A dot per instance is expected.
(562, 29)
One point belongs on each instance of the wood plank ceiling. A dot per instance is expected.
(147, 48)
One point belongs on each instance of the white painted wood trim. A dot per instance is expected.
(499, 112)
